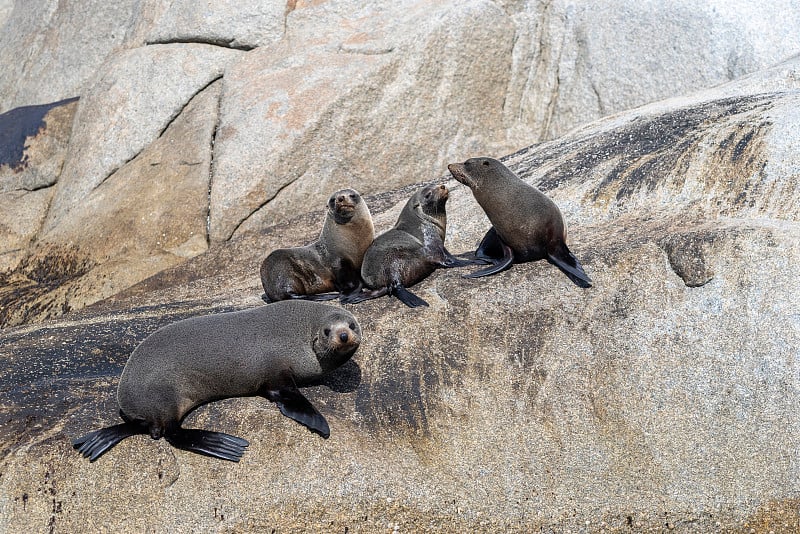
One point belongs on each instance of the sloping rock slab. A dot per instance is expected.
(663, 397)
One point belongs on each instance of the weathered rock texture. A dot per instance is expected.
(665, 397)
(312, 94)
(33, 142)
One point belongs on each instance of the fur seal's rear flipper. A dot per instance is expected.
(214, 444)
(94, 444)
(407, 297)
(319, 297)
(364, 294)
(497, 264)
(451, 260)
(295, 406)
(569, 265)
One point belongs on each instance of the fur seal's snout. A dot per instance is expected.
(459, 172)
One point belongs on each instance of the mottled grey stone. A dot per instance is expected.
(517, 402)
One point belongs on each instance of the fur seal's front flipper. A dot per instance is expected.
(94, 444)
(295, 406)
(407, 297)
(497, 264)
(214, 444)
(569, 265)
(473, 258)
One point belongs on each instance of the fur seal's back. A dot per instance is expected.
(266, 351)
(410, 251)
(331, 263)
(526, 224)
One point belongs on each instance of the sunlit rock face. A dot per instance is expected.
(289, 101)
(665, 396)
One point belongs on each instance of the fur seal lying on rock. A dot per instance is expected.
(266, 351)
(526, 225)
(331, 263)
(410, 251)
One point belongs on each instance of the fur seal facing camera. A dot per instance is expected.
(410, 251)
(331, 263)
(526, 225)
(265, 351)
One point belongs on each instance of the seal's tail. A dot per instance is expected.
(569, 265)
(94, 444)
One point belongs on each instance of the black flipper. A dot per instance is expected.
(473, 259)
(497, 264)
(365, 294)
(207, 443)
(454, 261)
(318, 297)
(569, 265)
(295, 406)
(94, 444)
(265, 298)
(406, 297)
(491, 246)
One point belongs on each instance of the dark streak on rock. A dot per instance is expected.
(640, 153)
(224, 43)
(164, 129)
(35, 276)
(19, 124)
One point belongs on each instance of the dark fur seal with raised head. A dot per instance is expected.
(267, 351)
(331, 263)
(526, 225)
(410, 251)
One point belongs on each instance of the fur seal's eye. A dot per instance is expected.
(485, 163)
(327, 332)
(352, 326)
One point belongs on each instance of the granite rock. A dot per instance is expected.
(662, 398)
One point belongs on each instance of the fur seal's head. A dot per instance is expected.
(477, 172)
(427, 204)
(337, 339)
(432, 199)
(344, 204)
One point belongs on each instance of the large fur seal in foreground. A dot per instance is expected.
(410, 251)
(266, 351)
(526, 225)
(331, 263)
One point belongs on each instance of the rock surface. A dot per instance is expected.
(665, 397)
(94, 254)
(313, 93)
(33, 143)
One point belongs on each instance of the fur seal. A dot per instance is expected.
(331, 263)
(526, 225)
(410, 251)
(265, 351)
